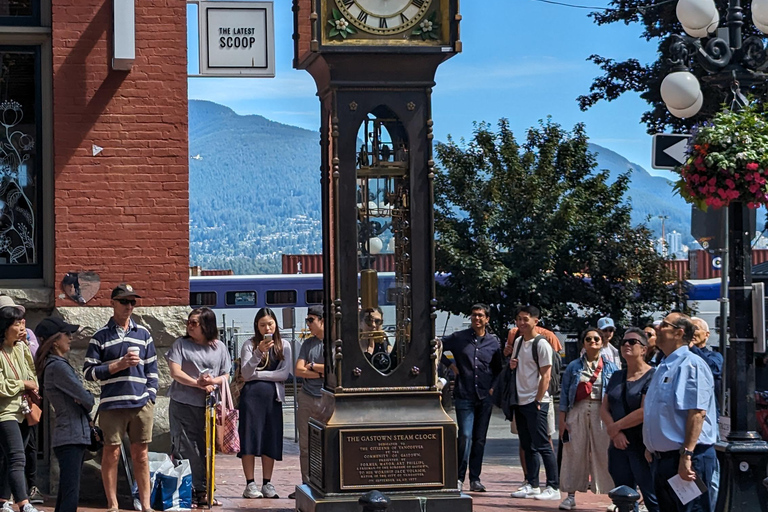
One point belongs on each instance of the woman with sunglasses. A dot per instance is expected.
(652, 353)
(266, 364)
(622, 412)
(198, 362)
(71, 402)
(584, 436)
(18, 377)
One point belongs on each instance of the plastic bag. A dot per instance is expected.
(171, 484)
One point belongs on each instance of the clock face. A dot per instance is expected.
(383, 16)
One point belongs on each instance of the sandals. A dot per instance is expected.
(200, 500)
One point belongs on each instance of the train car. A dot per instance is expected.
(703, 295)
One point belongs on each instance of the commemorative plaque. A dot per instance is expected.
(391, 458)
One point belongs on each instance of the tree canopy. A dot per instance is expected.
(534, 223)
(659, 21)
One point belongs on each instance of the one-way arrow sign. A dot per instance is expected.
(669, 150)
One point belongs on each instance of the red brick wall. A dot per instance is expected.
(125, 212)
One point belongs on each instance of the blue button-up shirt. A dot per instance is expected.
(683, 381)
(479, 361)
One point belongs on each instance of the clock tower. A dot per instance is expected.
(374, 63)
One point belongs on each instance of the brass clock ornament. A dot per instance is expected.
(383, 17)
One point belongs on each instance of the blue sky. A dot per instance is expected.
(522, 59)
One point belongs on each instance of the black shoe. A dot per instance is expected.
(292, 496)
(476, 486)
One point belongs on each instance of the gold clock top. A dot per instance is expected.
(383, 17)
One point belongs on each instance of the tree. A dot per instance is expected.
(535, 224)
(659, 21)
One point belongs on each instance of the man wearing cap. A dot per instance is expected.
(680, 429)
(312, 403)
(121, 358)
(610, 352)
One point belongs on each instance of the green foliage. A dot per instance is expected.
(659, 21)
(526, 223)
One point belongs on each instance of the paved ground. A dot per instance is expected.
(501, 475)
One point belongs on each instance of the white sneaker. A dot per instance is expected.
(268, 490)
(526, 491)
(461, 485)
(614, 508)
(568, 503)
(252, 491)
(8, 506)
(29, 508)
(548, 494)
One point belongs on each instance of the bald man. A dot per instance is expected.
(714, 359)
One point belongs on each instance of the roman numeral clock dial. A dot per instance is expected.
(383, 17)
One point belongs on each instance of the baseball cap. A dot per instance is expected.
(53, 325)
(7, 302)
(316, 310)
(124, 290)
(605, 323)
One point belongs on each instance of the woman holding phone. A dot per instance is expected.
(198, 362)
(266, 364)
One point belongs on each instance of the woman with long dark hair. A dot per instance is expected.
(198, 362)
(18, 377)
(71, 403)
(266, 363)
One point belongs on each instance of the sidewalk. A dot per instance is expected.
(501, 475)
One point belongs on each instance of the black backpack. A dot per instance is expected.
(557, 365)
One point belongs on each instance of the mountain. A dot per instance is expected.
(254, 191)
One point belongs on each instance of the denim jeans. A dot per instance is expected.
(473, 417)
(533, 431)
(13, 439)
(703, 461)
(70, 457)
(629, 467)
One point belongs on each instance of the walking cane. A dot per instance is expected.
(210, 445)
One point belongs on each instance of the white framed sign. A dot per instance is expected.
(237, 39)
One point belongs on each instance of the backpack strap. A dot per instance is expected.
(535, 352)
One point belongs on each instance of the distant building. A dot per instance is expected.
(675, 244)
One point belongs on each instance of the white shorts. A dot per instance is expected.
(550, 420)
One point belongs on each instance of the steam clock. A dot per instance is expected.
(374, 63)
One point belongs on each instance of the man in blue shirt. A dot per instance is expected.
(478, 362)
(680, 421)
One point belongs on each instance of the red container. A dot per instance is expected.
(313, 263)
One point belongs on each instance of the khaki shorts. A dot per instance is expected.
(550, 421)
(136, 422)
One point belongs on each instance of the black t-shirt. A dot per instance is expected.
(631, 401)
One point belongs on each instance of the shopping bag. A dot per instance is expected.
(157, 462)
(173, 487)
(227, 437)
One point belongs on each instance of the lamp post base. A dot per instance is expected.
(741, 480)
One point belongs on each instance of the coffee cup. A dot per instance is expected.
(134, 350)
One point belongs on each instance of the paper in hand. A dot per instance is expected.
(685, 490)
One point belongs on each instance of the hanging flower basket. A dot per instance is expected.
(727, 161)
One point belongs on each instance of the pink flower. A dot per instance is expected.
(721, 192)
(736, 175)
(749, 177)
(754, 188)
(730, 183)
(711, 181)
(759, 179)
(752, 166)
(753, 206)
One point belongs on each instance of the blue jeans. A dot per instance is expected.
(703, 461)
(473, 417)
(71, 457)
(629, 467)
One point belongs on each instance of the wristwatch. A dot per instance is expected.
(311, 367)
(686, 452)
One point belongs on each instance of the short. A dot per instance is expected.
(550, 420)
(136, 422)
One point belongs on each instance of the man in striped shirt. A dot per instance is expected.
(121, 359)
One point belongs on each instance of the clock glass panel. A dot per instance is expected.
(383, 16)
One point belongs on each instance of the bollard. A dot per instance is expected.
(624, 498)
(373, 501)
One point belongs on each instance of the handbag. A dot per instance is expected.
(97, 436)
(31, 402)
(584, 389)
(227, 417)
(236, 386)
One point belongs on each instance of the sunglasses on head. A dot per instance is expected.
(126, 302)
(632, 341)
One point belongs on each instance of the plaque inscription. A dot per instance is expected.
(400, 457)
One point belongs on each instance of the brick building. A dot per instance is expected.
(94, 164)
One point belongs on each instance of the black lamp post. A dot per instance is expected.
(730, 63)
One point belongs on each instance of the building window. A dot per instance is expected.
(20, 164)
(19, 12)
(241, 299)
(314, 296)
(198, 299)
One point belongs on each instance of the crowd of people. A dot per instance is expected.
(606, 435)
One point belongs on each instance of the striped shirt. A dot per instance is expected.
(127, 388)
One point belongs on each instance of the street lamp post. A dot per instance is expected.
(730, 63)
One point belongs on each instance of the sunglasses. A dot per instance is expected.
(374, 321)
(193, 323)
(309, 320)
(126, 302)
(592, 339)
(632, 342)
(664, 322)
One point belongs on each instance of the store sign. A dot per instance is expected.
(237, 39)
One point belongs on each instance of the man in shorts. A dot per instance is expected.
(121, 358)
